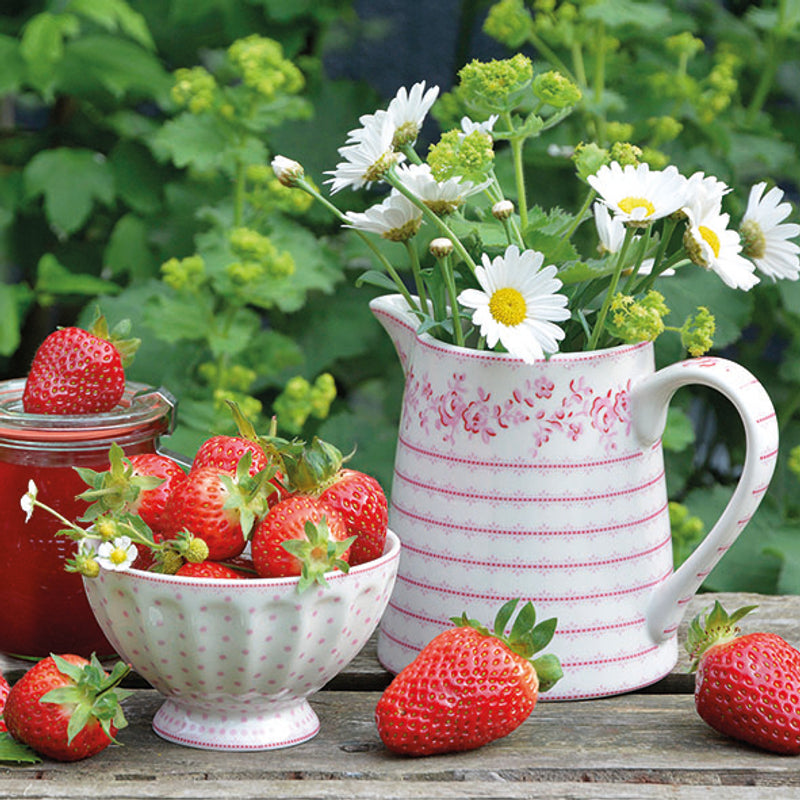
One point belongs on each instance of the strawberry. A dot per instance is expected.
(301, 536)
(225, 452)
(219, 508)
(359, 498)
(318, 470)
(468, 686)
(138, 484)
(75, 371)
(66, 708)
(746, 686)
(210, 569)
(4, 690)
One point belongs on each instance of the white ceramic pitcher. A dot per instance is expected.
(546, 482)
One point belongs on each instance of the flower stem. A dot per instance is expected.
(612, 288)
(415, 271)
(519, 172)
(450, 283)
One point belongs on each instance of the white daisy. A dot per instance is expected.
(396, 218)
(610, 230)
(518, 304)
(368, 159)
(117, 555)
(639, 195)
(712, 245)
(704, 194)
(441, 198)
(468, 126)
(765, 237)
(27, 500)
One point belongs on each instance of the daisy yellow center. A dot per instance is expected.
(507, 306)
(754, 243)
(118, 556)
(711, 239)
(630, 204)
(404, 232)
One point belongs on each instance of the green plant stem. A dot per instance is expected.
(239, 194)
(392, 179)
(450, 283)
(568, 232)
(550, 54)
(599, 81)
(774, 50)
(519, 172)
(612, 288)
(415, 271)
(307, 187)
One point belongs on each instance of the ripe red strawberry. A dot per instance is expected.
(79, 372)
(66, 707)
(359, 498)
(225, 452)
(151, 504)
(300, 536)
(319, 470)
(4, 690)
(746, 686)
(210, 569)
(468, 686)
(205, 505)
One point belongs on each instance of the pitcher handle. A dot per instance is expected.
(649, 401)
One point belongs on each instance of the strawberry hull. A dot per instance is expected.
(44, 607)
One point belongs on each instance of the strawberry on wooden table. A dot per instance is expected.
(468, 686)
(75, 371)
(67, 708)
(746, 686)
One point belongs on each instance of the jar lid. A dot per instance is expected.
(140, 407)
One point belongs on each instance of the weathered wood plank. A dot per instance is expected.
(631, 739)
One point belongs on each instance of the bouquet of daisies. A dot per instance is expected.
(506, 275)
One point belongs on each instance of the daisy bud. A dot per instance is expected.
(287, 171)
(502, 209)
(441, 247)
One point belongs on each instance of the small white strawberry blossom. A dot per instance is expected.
(638, 195)
(468, 126)
(368, 159)
(712, 245)
(517, 304)
(766, 236)
(441, 198)
(117, 555)
(28, 500)
(396, 218)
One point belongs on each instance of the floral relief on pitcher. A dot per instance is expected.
(548, 412)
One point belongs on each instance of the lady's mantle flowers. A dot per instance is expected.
(517, 304)
(483, 284)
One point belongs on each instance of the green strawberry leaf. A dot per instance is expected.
(12, 750)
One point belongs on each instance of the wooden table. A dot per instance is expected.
(650, 744)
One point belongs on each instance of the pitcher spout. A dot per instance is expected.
(400, 323)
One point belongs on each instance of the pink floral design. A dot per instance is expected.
(537, 404)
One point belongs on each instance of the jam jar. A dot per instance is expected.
(43, 608)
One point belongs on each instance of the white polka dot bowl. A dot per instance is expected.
(237, 660)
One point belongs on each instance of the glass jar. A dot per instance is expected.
(43, 608)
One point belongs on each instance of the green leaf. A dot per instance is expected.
(138, 179)
(15, 300)
(54, 278)
(190, 140)
(12, 750)
(71, 180)
(12, 67)
(119, 66)
(678, 432)
(634, 13)
(128, 251)
(180, 315)
(42, 46)
(115, 15)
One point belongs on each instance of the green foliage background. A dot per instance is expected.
(104, 177)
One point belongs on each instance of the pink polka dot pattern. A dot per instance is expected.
(237, 660)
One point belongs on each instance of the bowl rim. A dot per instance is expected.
(391, 552)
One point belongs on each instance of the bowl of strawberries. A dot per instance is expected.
(236, 589)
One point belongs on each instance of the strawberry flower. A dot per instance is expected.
(28, 500)
(117, 555)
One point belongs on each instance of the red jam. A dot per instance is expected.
(43, 608)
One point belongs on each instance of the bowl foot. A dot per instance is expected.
(288, 725)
